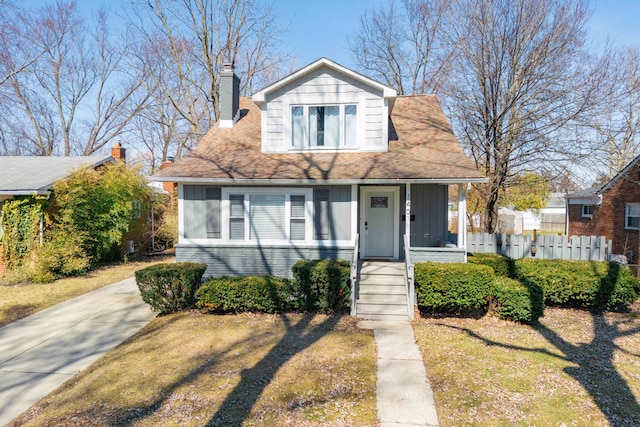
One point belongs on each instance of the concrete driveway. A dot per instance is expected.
(42, 351)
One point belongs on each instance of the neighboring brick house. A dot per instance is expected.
(612, 210)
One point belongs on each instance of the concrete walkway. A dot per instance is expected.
(42, 351)
(404, 395)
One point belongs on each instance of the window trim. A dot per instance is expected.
(627, 216)
(306, 126)
(305, 100)
(247, 191)
(587, 215)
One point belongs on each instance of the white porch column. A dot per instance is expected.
(407, 214)
(462, 216)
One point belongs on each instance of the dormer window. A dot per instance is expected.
(317, 126)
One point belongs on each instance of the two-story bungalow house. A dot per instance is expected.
(320, 164)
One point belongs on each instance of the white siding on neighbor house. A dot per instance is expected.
(325, 86)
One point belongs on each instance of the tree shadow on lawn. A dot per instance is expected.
(595, 370)
(237, 406)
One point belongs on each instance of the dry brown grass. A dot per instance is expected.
(575, 369)
(252, 370)
(21, 300)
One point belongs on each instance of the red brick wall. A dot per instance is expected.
(608, 218)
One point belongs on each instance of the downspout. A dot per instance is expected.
(566, 216)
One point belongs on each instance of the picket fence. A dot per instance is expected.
(589, 248)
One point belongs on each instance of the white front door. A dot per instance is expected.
(379, 222)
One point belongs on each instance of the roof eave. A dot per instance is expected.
(260, 97)
(346, 181)
(40, 192)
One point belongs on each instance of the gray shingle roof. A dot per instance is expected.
(36, 174)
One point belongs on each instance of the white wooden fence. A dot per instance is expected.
(589, 248)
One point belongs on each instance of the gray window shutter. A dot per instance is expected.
(321, 216)
(213, 195)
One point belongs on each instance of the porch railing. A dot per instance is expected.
(354, 275)
(408, 271)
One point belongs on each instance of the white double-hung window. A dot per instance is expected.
(267, 215)
(632, 216)
(315, 126)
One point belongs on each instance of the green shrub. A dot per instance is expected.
(170, 287)
(502, 265)
(321, 285)
(262, 294)
(586, 284)
(456, 288)
(20, 221)
(511, 300)
(61, 255)
(101, 204)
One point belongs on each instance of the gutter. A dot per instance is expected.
(245, 181)
(25, 192)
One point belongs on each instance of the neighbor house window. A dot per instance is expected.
(587, 211)
(136, 209)
(268, 215)
(323, 126)
(632, 216)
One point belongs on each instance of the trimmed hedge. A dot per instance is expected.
(456, 288)
(502, 265)
(170, 287)
(511, 300)
(592, 285)
(321, 284)
(258, 294)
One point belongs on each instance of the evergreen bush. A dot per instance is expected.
(512, 300)
(261, 294)
(321, 284)
(585, 284)
(501, 265)
(170, 287)
(453, 288)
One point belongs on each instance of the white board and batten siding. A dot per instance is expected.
(326, 86)
(586, 248)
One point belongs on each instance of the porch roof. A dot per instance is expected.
(422, 148)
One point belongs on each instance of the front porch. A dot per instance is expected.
(382, 288)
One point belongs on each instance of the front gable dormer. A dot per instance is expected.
(325, 107)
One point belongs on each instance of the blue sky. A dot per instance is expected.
(320, 28)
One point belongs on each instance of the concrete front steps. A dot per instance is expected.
(383, 291)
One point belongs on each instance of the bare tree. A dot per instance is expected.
(615, 123)
(16, 54)
(519, 85)
(405, 47)
(192, 39)
(78, 94)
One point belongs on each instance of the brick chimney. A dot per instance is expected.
(169, 187)
(119, 153)
(229, 96)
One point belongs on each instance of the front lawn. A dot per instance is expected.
(190, 369)
(575, 369)
(21, 300)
